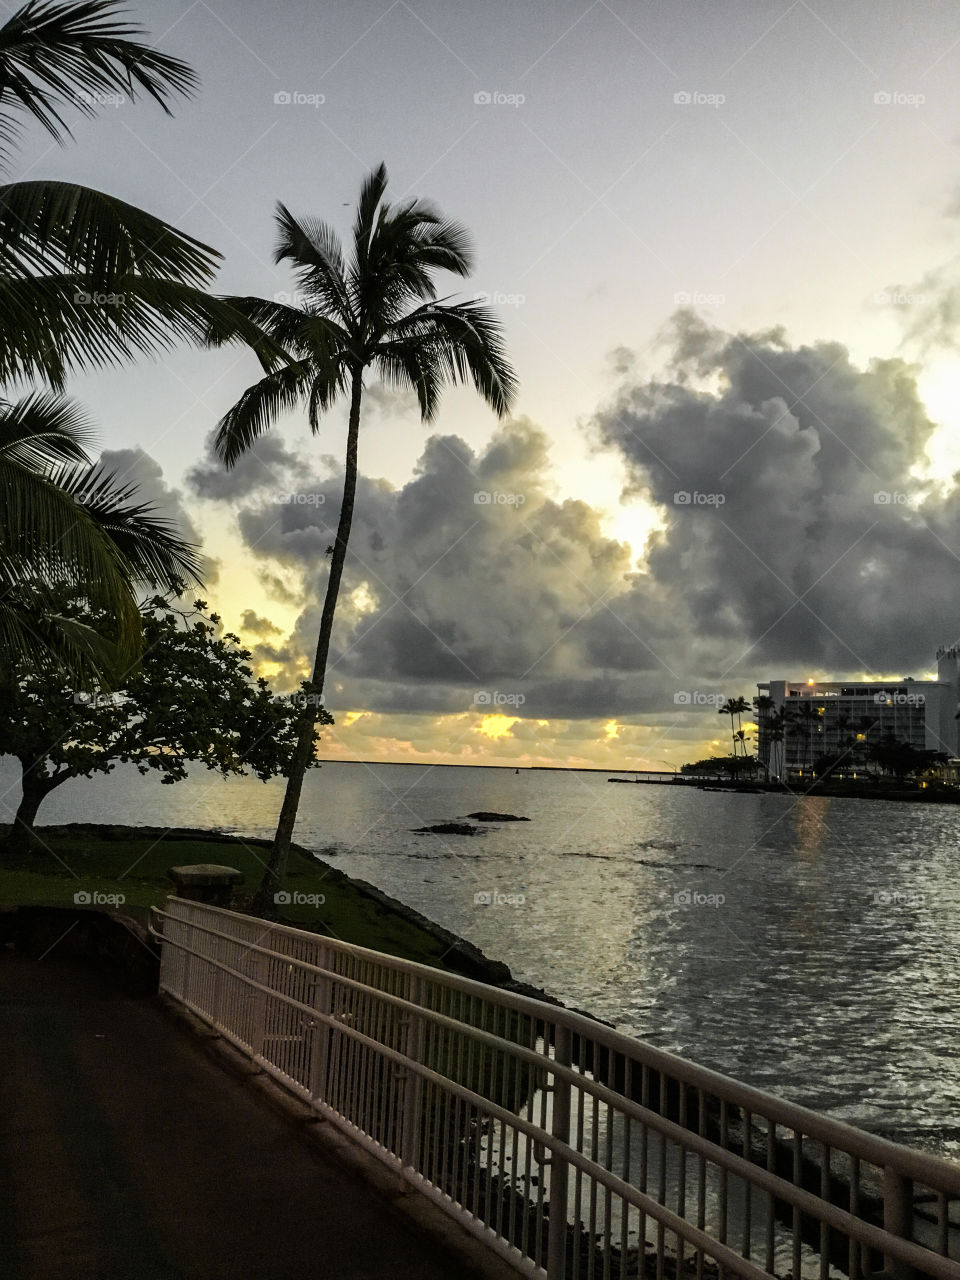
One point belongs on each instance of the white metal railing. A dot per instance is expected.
(571, 1150)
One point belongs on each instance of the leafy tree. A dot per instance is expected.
(901, 758)
(191, 700)
(378, 310)
(733, 765)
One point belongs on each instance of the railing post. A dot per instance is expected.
(322, 1001)
(413, 1047)
(216, 1001)
(897, 1216)
(258, 1013)
(559, 1169)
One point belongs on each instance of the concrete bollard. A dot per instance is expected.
(206, 882)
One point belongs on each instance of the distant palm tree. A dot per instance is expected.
(735, 707)
(802, 716)
(379, 310)
(776, 729)
(765, 708)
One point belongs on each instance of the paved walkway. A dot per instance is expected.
(127, 1154)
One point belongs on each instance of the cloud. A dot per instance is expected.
(806, 544)
(134, 466)
(805, 539)
(251, 621)
(266, 466)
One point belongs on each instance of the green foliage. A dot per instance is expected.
(64, 522)
(192, 699)
(733, 765)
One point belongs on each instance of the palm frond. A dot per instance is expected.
(48, 226)
(32, 629)
(315, 251)
(149, 547)
(47, 542)
(60, 55)
(55, 325)
(463, 342)
(257, 409)
(43, 431)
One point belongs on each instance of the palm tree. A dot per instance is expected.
(735, 707)
(765, 708)
(65, 523)
(378, 310)
(86, 279)
(802, 716)
(776, 730)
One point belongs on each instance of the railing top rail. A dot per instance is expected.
(930, 1170)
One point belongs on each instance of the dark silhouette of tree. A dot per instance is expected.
(376, 310)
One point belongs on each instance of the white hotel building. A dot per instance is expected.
(920, 712)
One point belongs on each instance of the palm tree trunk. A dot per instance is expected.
(273, 877)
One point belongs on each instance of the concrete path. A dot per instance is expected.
(127, 1154)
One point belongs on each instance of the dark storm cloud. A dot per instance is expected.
(135, 467)
(267, 466)
(794, 538)
(799, 536)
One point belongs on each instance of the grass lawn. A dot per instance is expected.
(135, 865)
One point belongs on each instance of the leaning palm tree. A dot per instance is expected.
(379, 311)
(67, 524)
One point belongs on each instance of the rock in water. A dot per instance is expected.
(451, 829)
(483, 816)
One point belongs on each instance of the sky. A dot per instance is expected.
(722, 239)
